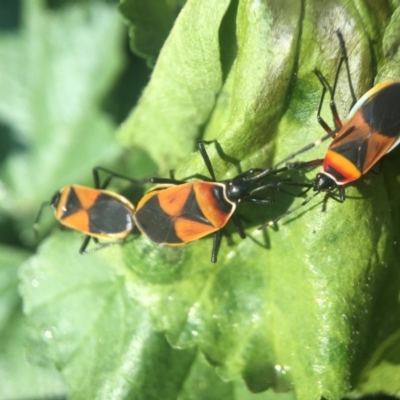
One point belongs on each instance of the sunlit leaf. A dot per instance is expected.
(294, 308)
(149, 24)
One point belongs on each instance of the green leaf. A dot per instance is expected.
(294, 299)
(55, 70)
(10, 259)
(83, 321)
(19, 379)
(188, 70)
(382, 373)
(292, 308)
(149, 24)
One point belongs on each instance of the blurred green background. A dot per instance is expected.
(309, 310)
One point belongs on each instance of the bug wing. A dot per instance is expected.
(372, 131)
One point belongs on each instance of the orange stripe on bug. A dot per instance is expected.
(96, 212)
(173, 199)
(336, 166)
(183, 213)
(217, 211)
(78, 221)
(189, 230)
(179, 212)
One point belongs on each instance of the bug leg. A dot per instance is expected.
(206, 159)
(166, 180)
(238, 226)
(346, 62)
(218, 236)
(342, 194)
(216, 245)
(325, 200)
(274, 221)
(305, 164)
(260, 200)
(330, 195)
(325, 88)
(111, 176)
(307, 187)
(278, 186)
(85, 243)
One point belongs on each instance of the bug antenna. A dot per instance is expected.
(274, 221)
(261, 174)
(306, 148)
(37, 219)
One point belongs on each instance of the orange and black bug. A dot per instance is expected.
(97, 212)
(371, 130)
(177, 212)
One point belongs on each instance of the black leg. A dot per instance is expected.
(307, 187)
(238, 225)
(331, 195)
(277, 184)
(206, 160)
(85, 243)
(332, 105)
(216, 246)
(346, 62)
(305, 164)
(270, 223)
(218, 236)
(326, 87)
(342, 194)
(336, 119)
(167, 181)
(260, 200)
(111, 176)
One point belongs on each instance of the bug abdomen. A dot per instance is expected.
(183, 213)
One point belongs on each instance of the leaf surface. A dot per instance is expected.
(289, 308)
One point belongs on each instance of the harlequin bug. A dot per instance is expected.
(176, 212)
(371, 130)
(97, 212)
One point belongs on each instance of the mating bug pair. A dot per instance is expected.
(177, 212)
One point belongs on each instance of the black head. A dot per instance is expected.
(241, 186)
(323, 183)
(55, 199)
(235, 191)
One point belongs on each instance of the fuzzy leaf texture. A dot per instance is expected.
(311, 307)
(19, 378)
